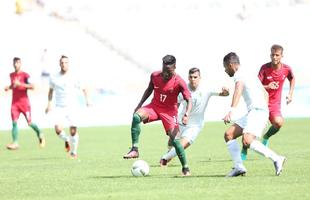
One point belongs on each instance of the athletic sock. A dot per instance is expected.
(234, 150)
(36, 129)
(271, 131)
(263, 150)
(74, 141)
(135, 129)
(62, 135)
(170, 154)
(15, 132)
(180, 152)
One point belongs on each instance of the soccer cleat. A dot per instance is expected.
(237, 172)
(73, 155)
(42, 142)
(185, 171)
(265, 142)
(67, 146)
(12, 146)
(278, 165)
(163, 162)
(244, 153)
(133, 153)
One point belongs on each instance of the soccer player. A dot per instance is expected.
(200, 99)
(167, 85)
(20, 84)
(253, 123)
(272, 75)
(66, 86)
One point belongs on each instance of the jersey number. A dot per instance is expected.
(163, 97)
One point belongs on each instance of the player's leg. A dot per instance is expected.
(14, 115)
(143, 114)
(276, 124)
(179, 150)
(27, 113)
(252, 131)
(230, 136)
(188, 135)
(59, 116)
(74, 141)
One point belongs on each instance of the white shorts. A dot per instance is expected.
(254, 122)
(190, 133)
(65, 116)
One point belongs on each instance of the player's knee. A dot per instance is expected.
(247, 139)
(228, 136)
(136, 119)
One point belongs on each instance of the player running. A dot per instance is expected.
(20, 84)
(200, 99)
(66, 86)
(167, 85)
(272, 75)
(251, 125)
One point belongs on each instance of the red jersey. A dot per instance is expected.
(20, 92)
(267, 74)
(166, 92)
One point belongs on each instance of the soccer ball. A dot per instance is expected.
(140, 168)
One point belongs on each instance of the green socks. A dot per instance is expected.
(135, 129)
(271, 131)
(36, 129)
(180, 152)
(15, 132)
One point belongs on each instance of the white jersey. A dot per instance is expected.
(200, 99)
(253, 91)
(66, 88)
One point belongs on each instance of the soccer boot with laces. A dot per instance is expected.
(12, 146)
(185, 171)
(133, 153)
(237, 172)
(278, 165)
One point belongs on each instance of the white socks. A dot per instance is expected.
(170, 154)
(265, 151)
(234, 150)
(62, 135)
(74, 141)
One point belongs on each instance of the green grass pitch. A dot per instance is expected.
(101, 173)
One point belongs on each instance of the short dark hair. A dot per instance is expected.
(276, 47)
(231, 58)
(15, 59)
(169, 60)
(193, 70)
(63, 56)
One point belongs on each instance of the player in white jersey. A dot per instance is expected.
(65, 86)
(253, 123)
(200, 99)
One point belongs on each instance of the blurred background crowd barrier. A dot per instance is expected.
(115, 45)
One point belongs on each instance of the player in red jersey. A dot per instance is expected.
(272, 75)
(166, 85)
(20, 103)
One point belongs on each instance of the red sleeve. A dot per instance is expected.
(290, 74)
(184, 90)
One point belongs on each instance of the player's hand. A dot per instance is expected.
(16, 83)
(227, 118)
(185, 120)
(48, 109)
(7, 88)
(288, 99)
(225, 91)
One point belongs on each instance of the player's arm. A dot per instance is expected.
(146, 95)
(188, 109)
(290, 93)
(26, 84)
(235, 100)
(49, 100)
(86, 95)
